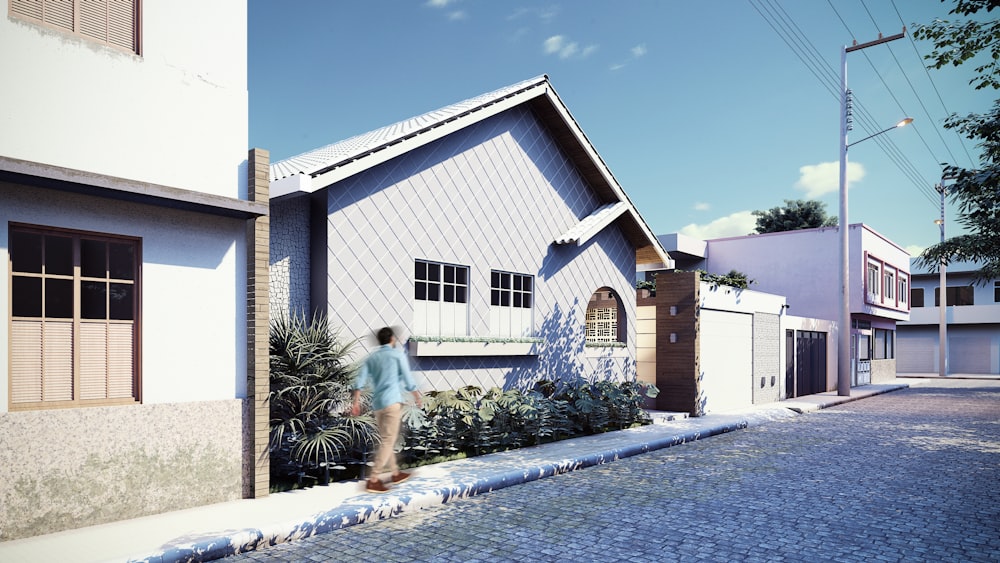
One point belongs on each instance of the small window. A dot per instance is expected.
(917, 297)
(511, 298)
(996, 292)
(441, 296)
(958, 296)
(874, 282)
(605, 319)
(904, 289)
(889, 286)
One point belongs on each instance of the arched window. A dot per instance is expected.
(605, 318)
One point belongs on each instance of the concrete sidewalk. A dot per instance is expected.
(215, 531)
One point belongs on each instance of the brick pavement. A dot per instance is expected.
(905, 476)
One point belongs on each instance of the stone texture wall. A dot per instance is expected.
(883, 370)
(767, 361)
(125, 462)
(289, 256)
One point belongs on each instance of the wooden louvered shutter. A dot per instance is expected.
(41, 361)
(114, 22)
(106, 360)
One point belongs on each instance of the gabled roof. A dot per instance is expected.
(322, 167)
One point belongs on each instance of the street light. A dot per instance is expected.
(903, 123)
(844, 331)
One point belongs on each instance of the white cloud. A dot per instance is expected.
(563, 48)
(439, 3)
(735, 225)
(914, 249)
(824, 178)
(456, 15)
(618, 66)
(702, 206)
(639, 50)
(588, 50)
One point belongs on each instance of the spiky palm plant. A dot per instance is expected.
(311, 375)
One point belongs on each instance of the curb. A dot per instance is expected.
(247, 540)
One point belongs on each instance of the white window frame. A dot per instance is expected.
(440, 298)
(874, 281)
(512, 304)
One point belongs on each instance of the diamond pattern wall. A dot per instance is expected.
(491, 196)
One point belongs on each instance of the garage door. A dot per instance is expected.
(969, 354)
(726, 360)
(916, 353)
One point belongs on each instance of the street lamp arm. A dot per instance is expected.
(902, 123)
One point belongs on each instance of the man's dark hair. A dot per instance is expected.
(384, 335)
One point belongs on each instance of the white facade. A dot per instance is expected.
(176, 115)
(973, 330)
(150, 147)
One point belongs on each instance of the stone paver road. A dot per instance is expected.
(912, 475)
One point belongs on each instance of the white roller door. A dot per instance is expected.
(726, 360)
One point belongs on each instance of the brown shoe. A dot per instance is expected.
(400, 477)
(376, 486)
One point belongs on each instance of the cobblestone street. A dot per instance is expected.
(905, 476)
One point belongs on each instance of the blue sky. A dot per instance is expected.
(700, 109)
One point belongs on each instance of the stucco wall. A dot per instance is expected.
(176, 115)
(491, 196)
(193, 312)
(122, 462)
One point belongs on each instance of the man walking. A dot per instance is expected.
(388, 372)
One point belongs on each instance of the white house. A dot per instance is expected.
(489, 231)
(129, 211)
(803, 267)
(972, 319)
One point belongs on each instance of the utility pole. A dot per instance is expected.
(942, 295)
(844, 363)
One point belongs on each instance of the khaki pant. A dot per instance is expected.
(388, 420)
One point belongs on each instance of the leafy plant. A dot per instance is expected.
(310, 379)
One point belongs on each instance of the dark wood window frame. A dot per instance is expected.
(75, 318)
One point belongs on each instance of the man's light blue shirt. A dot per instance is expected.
(388, 371)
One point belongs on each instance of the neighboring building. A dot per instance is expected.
(972, 318)
(135, 325)
(489, 232)
(803, 266)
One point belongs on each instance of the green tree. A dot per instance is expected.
(956, 42)
(976, 192)
(794, 215)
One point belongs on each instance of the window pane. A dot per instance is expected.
(494, 279)
(420, 291)
(462, 276)
(26, 253)
(59, 255)
(527, 283)
(495, 297)
(449, 293)
(420, 270)
(434, 272)
(433, 292)
(917, 297)
(27, 297)
(460, 294)
(517, 282)
(505, 299)
(526, 301)
(93, 259)
(122, 302)
(93, 300)
(996, 291)
(505, 281)
(517, 299)
(449, 274)
(59, 299)
(121, 261)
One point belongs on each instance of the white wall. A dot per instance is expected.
(176, 115)
(193, 313)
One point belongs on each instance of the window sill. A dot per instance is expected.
(605, 352)
(475, 348)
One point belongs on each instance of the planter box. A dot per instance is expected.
(475, 348)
